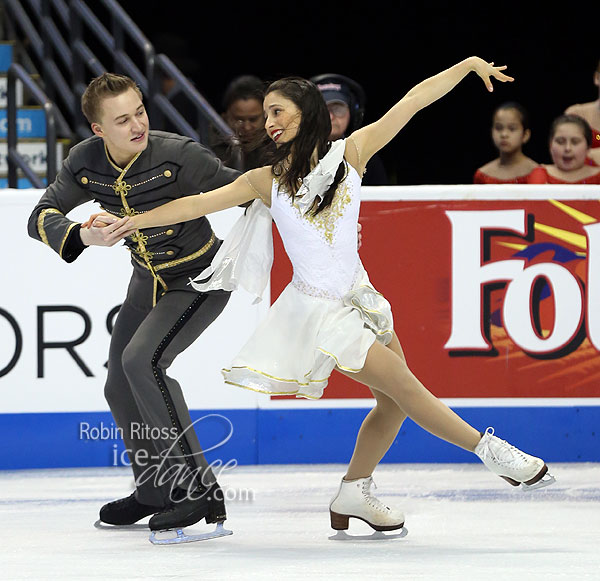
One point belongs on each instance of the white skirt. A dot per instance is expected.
(303, 338)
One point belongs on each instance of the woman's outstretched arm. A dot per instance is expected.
(373, 137)
(240, 191)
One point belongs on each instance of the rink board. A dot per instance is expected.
(288, 436)
(495, 301)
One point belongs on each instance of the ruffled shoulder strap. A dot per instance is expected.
(317, 182)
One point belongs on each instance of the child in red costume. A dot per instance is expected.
(510, 131)
(570, 141)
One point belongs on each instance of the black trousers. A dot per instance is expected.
(147, 404)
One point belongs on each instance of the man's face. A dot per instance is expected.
(339, 114)
(124, 126)
(245, 117)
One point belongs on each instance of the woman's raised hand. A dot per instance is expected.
(487, 70)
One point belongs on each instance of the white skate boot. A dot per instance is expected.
(510, 463)
(354, 500)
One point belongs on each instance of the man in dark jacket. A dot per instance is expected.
(128, 169)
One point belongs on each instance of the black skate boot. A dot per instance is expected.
(126, 511)
(186, 510)
(189, 508)
(217, 512)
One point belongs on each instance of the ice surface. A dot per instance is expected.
(464, 523)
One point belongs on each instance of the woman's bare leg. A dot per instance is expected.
(377, 433)
(378, 430)
(385, 371)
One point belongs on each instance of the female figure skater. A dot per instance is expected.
(330, 316)
(569, 142)
(510, 132)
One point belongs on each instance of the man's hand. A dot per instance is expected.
(98, 230)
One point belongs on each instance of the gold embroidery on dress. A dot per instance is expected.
(326, 220)
(270, 392)
(313, 291)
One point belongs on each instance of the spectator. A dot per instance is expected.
(569, 141)
(590, 111)
(242, 110)
(510, 131)
(345, 100)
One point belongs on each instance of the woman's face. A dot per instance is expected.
(508, 134)
(282, 117)
(568, 147)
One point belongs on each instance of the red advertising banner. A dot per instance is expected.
(491, 299)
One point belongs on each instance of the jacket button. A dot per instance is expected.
(167, 173)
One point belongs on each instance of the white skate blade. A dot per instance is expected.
(546, 480)
(108, 527)
(182, 537)
(374, 536)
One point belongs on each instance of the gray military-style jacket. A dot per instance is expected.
(170, 167)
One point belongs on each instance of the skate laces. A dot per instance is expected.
(371, 500)
(501, 452)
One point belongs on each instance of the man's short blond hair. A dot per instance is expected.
(102, 87)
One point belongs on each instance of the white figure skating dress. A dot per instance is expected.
(329, 314)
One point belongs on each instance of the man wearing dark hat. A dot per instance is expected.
(345, 100)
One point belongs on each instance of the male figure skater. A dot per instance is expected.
(129, 169)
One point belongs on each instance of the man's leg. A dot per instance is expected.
(174, 324)
(120, 398)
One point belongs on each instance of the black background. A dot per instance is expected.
(388, 47)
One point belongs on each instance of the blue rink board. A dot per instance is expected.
(288, 436)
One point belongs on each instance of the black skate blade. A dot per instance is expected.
(374, 536)
(166, 537)
(108, 527)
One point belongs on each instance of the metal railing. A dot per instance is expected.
(162, 106)
(58, 35)
(15, 159)
(85, 24)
